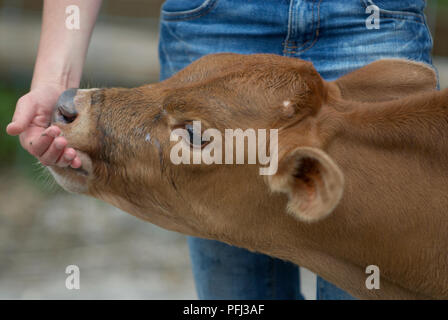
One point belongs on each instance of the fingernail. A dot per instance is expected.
(59, 145)
(76, 164)
(69, 157)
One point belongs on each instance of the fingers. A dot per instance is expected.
(25, 111)
(30, 118)
(49, 147)
(76, 163)
(67, 157)
(37, 142)
(54, 152)
(57, 154)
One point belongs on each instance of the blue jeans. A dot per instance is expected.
(330, 33)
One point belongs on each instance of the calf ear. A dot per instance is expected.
(312, 181)
(387, 79)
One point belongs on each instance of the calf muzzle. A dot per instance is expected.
(65, 110)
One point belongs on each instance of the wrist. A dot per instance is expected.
(61, 80)
(58, 73)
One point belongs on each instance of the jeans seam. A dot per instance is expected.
(316, 35)
(307, 41)
(431, 43)
(288, 34)
(208, 6)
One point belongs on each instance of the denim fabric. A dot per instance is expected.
(226, 272)
(330, 33)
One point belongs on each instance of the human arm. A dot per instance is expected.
(58, 66)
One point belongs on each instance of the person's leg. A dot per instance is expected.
(337, 41)
(226, 272)
(328, 291)
(189, 30)
(344, 43)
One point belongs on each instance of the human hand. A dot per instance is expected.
(31, 121)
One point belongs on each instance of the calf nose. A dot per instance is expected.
(65, 110)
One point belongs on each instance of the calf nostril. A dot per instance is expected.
(67, 115)
(65, 110)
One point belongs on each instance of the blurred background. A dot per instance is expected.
(44, 229)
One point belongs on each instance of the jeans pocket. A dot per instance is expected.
(411, 10)
(179, 10)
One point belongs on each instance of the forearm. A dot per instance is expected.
(62, 52)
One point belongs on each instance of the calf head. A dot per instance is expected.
(123, 139)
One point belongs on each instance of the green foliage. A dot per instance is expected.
(13, 158)
(10, 149)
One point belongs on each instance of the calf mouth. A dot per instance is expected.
(68, 114)
(74, 180)
(79, 170)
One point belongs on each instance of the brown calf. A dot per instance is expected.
(362, 173)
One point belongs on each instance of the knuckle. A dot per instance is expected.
(26, 99)
(21, 99)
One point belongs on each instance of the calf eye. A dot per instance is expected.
(195, 138)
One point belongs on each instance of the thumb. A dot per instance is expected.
(25, 111)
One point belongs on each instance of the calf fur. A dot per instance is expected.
(362, 175)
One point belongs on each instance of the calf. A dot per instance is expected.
(362, 175)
